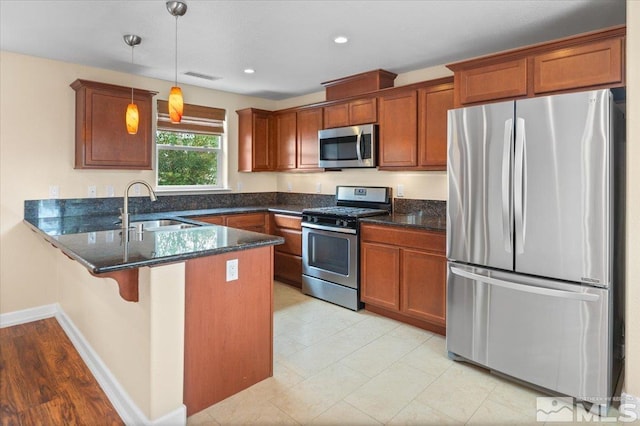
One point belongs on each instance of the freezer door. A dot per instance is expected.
(551, 334)
(562, 187)
(480, 157)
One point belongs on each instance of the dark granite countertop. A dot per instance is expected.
(97, 242)
(410, 220)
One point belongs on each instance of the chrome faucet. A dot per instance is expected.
(125, 210)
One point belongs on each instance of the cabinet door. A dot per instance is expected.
(286, 141)
(102, 141)
(254, 140)
(336, 116)
(423, 285)
(399, 130)
(432, 125)
(490, 82)
(216, 220)
(364, 111)
(255, 222)
(288, 268)
(380, 280)
(309, 122)
(593, 64)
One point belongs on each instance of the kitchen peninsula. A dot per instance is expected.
(208, 323)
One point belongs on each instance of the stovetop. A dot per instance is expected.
(343, 211)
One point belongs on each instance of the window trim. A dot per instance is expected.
(196, 120)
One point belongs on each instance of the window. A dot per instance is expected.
(190, 154)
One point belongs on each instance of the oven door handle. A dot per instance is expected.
(329, 228)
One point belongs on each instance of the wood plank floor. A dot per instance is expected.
(43, 380)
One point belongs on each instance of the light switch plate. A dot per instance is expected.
(232, 270)
(54, 191)
(109, 190)
(400, 191)
(318, 188)
(289, 187)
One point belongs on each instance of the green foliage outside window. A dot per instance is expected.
(196, 164)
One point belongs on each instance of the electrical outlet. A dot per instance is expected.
(54, 191)
(289, 187)
(136, 189)
(400, 191)
(318, 188)
(239, 186)
(109, 191)
(232, 270)
(91, 238)
(91, 191)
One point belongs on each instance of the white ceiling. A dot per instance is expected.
(288, 43)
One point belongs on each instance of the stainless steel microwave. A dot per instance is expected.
(348, 147)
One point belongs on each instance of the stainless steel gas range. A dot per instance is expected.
(330, 248)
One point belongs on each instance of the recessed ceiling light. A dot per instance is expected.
(340, 40)
(249, 71)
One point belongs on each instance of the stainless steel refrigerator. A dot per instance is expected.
(535, 237)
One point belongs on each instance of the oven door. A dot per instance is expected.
(330, 254)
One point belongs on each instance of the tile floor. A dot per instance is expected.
(333, 366)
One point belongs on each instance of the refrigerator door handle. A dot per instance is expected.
(519, 185)
(506, 187)
(526, 288)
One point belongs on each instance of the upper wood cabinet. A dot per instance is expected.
(433, 106)
(413, 127)
(398, 132)
(352, 113)
(587, 61)
(285, 140)
(255, 151)
(102, 140)
(309, 122)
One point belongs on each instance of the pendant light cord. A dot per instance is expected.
(132, 70)
(176, 68)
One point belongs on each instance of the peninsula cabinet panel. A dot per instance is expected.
(102, 140)
(491, 82)
(285, 141)
(228, 326)
(423, 292)
(309, 123)
(582, 66)
(432, 127)
(255, 153)
(398, 133)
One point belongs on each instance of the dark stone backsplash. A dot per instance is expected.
(434, 208)
(168, 203)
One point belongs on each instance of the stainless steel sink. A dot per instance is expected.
(161, 225)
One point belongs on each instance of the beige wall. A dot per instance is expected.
(632, 373)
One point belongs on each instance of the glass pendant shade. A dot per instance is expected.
(132, 119)
(176, 104)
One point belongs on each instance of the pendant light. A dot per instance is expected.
(132, 118)
(176, 103)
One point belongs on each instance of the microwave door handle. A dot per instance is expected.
(359, 146)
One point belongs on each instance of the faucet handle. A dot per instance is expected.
(121, 213)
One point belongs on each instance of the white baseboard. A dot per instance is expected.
(127, 409)
(28, 315)
(630, 412)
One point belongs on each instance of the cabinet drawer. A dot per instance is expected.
(418, 239)
(496, 81)
(216, 220)
(292, 241)
(246, 221)
(288, 267)
(581, 66)
(286, 221)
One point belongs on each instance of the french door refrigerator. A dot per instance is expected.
(535, 235)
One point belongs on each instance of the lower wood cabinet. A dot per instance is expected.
(288, 256)
(256, 222)
(403, 274)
